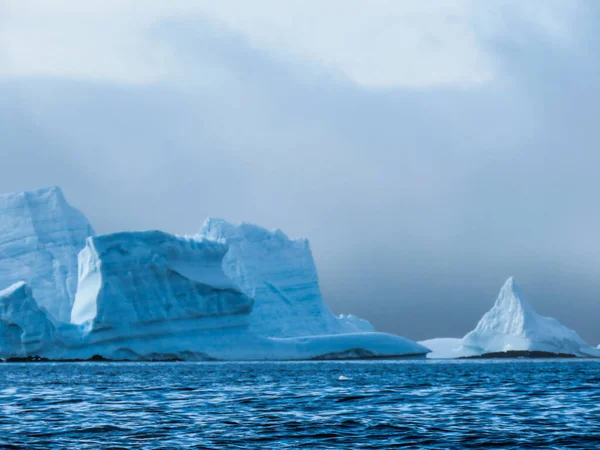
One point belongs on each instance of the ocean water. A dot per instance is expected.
(418, 404)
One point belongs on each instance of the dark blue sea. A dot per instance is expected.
(412, 404)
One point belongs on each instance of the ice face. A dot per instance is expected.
(40, 237)
(25, 328)
(281, 276)
(513, 324)
(140, 283)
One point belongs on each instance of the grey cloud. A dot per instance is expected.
(418, 203)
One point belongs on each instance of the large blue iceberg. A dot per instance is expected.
(230, 292)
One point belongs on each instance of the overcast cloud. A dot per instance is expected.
(428, 150)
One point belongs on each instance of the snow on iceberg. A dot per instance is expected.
(512, 324)
(40, 237)
(25, 328)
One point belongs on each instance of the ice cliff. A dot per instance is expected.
(40, 237)
(231, 292)
(512, 324)
(143, 283)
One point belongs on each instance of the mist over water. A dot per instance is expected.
(420, 404)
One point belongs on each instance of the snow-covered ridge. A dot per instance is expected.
(512, 324)
(40, 236)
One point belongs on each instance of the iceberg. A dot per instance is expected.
(230, 292)
(512, 325)
(40, 237)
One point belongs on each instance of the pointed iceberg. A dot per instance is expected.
(511, 325)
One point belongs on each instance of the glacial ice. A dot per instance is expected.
(512, 324)
(280, 274)
(231, 292)
(239, 344)
(25, 328)
(143, 279)
(40, 237)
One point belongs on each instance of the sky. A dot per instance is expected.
(428, 150)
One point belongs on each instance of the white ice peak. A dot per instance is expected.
(511, 314)
(513, 324)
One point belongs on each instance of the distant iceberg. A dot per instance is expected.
(511, 325)
(231, 292)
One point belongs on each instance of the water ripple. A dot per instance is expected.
(416, 404)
